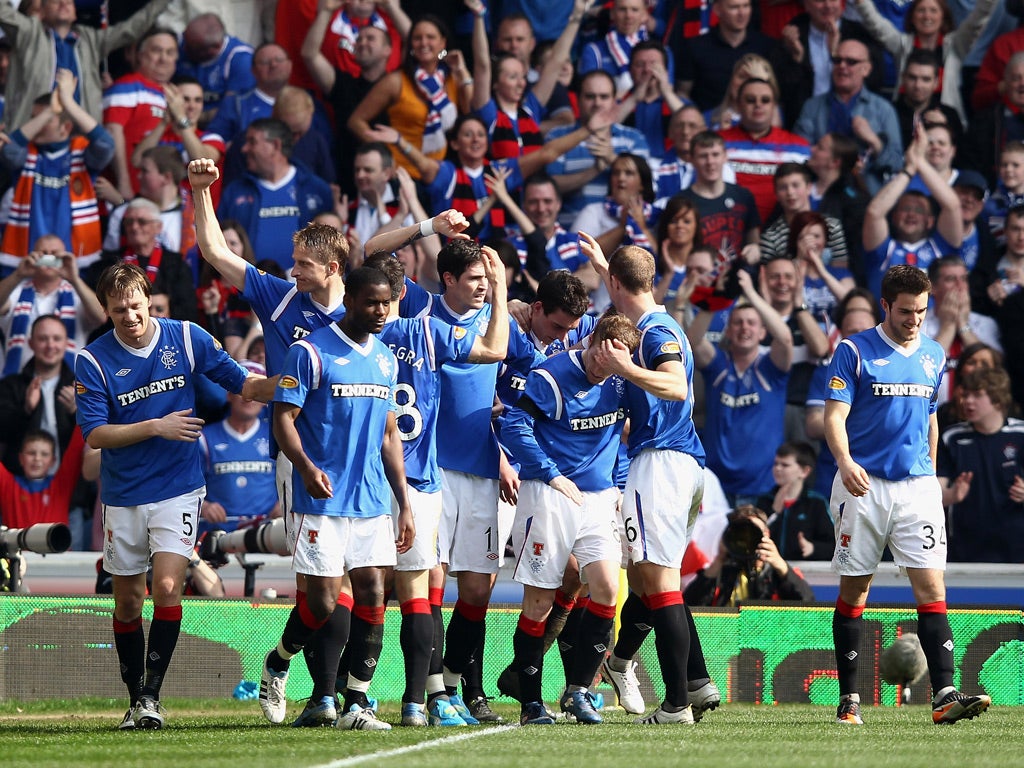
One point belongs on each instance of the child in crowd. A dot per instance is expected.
(798, 517)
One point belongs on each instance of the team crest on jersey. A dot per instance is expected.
(263, 446)
(836, 383)
(670, 348)
(929, 366)
(459, 333)
(169, 357)
(288, 382)
(384, 364)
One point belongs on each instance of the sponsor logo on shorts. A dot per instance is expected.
(288, 382)
(311, 536)
(844, 540)
(538, 548)
(836, 383)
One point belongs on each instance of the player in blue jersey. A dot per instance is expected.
(135, 395)
(665, 484)
(335, 419)
(881, 427)
(237, 465)
(471, 535)
(422, 346)
(564, 432)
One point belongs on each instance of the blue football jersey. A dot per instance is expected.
(465, 439)
(345, 391)
(286, 314)
(891, 391)
(657, 423)
(567, 425)
(422, 346)
(240, 475)
(117, 384)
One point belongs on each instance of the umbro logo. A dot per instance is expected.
(341, 361)
(123, 372)
(851, 655)
(221, 447)
(581, 394)
(307, 314)
(948, 645)
(880, 362)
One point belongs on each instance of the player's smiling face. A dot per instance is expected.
(903, 318)
(130, 316)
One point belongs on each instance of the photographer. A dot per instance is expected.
(748, 567)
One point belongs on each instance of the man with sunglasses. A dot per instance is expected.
(851, 109)
(755, 147)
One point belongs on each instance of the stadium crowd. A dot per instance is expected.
(777, 159)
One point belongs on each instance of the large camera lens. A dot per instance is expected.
(741, 539)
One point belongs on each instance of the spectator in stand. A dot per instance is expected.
(423, 98)
(850, 108)
(839, 192)
(462, 184)
(166, 269)
(746, 392)
(512, 112)
(973, 358)
(295, 108)
(734, 577)
(229, 317)
(343, 91)
(54, 193)
(952, 322)
(728, 214)
(929, 26)
(46, 282)
(134, 105)
(705, 63)
(803, 58)
(348, 18)
(275, 198)
(916, 236)
(630, 21)
(1004, 281)
(988, 87)
(675, 171)
(979, 246)
(918, 96)
(676, 236)
(727, 113)
(798, 518)
(240, 486)
(179, 125)
(582, 173)
(755, 148)
(219, 62)
(992, 129)
(53, 40)
(825, 284)
(1009, 193)
(980, 471)
(939, 152)
(515, 36)
(40, 495)
(271, 69)
(782, 286)
(651, 101)
(161, 172)
(793, 185)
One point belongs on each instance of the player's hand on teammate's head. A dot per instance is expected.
(202, 172)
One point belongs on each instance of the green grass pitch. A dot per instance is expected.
(220, 734)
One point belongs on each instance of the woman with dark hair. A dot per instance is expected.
(627, 216)
(464, 180)
(677, 235)
(824, 286)
(929, 24)
(422, 99)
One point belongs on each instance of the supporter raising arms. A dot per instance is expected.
(423, 98)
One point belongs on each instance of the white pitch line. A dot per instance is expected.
(386, 753)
